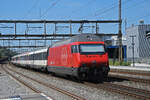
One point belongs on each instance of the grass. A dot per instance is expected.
(124, 63)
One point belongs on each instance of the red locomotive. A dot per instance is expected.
(82, 56)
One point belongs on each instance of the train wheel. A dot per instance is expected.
(73, 78)
(105, 74)
(52, 73)
(97, 78)
(46, 70)
(79, 79)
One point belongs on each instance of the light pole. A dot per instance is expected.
(120, 34)
(133, 36)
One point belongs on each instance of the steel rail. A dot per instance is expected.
(103, 86)
(51, 86)
(131, 78)
(24, 83)
(121, 89)
(132, 73)
(134, 92)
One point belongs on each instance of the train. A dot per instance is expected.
(82, 56)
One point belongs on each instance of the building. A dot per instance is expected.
(113, 47)
(141, 43)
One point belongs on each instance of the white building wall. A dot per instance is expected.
(131, 32)
(142, 44)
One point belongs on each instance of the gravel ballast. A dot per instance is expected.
(79, 89)
(9, 87)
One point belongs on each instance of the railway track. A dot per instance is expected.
(131, 73)
(147, 81)
(27, 85)
(121, 89)
(73, 96)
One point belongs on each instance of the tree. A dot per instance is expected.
(6, 53)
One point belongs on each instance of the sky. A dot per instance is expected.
(132, 11)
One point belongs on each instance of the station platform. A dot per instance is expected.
(10, 89)
(40, 96)
(137, 67)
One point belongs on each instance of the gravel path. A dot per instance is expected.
(77, 88)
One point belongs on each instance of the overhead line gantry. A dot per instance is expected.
(44, 34)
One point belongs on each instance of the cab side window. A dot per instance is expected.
(74, 49)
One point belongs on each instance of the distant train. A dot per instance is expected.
(82, 56)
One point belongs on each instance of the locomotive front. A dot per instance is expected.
(91, 59)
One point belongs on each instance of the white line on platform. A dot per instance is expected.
(130, 68)
(48, 98)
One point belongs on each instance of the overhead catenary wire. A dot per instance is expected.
(30, 10)
(84, 6)
(106, 9)
(135, 4)
(50, 7)
(75, 11)
(101, 9)
(146, 15)
(137, 17)
(115, 5)
(3, 25)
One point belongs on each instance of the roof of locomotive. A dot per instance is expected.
(78, 38)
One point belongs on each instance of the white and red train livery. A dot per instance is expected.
(83, 56)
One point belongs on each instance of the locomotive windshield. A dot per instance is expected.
(92, 49)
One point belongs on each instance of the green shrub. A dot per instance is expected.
(124, 63)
